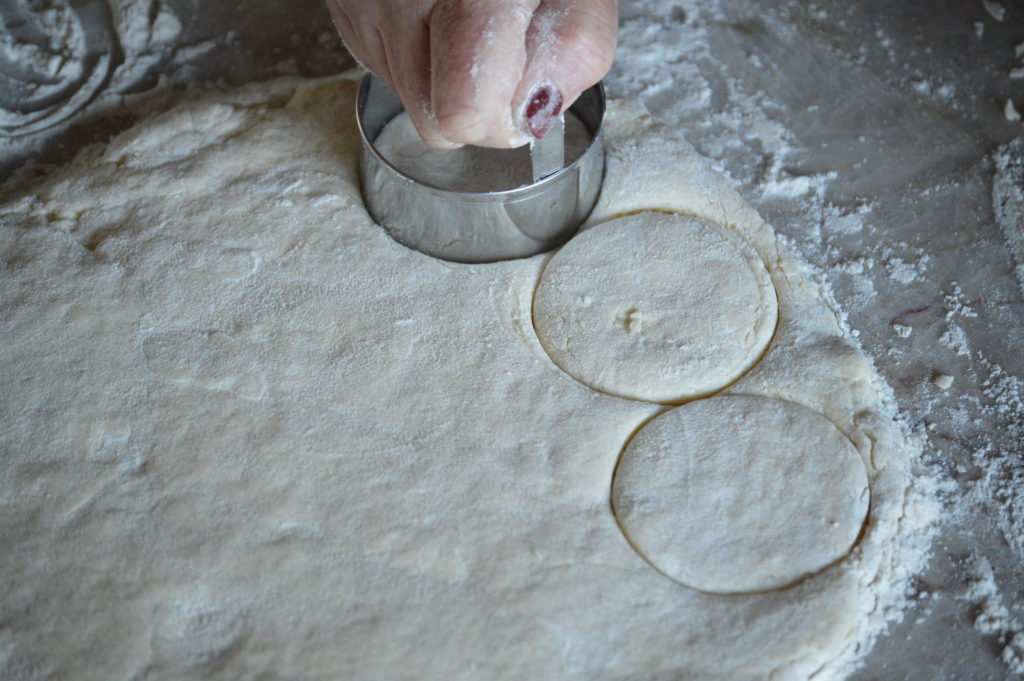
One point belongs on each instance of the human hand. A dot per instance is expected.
(484, 72)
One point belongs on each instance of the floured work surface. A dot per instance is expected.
(248, 434)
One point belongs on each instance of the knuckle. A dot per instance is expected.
(592, 54)
(464, 126)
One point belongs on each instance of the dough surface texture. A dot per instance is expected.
(246, 435)
(468, 168)
(736, 494)
(655, 307)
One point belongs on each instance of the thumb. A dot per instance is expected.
(570, 46)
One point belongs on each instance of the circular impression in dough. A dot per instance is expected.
(737, 494)
(656, 307)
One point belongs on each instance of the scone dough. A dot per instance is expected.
(248, 435)
(655, 307)
(739, 494)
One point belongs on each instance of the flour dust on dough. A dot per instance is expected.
(655, 307)
(248, 435)
(736, 494)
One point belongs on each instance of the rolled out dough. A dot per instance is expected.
(656, 307)
(735, 494)
(247, 435)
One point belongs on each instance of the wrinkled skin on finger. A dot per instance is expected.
(486, 72)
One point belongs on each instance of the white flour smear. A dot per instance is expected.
(1008, 199)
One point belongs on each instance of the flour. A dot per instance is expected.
(729, 118)
(45, 56)
(61, 52)
(902, 330)
(902, 271)
(663, 61)
(993, 618)
(938, 91)
(1010, 112)
(62, 58)
(1008, 199)
(995, 9)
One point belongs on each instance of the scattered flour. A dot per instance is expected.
(993, 618)
(902, 271)
(926, 88)
(58, 58)
(995, 9)
(1007, 395)
(662, 48)
(1008, 199)
(53, 66)
(1010, 112)
(903, 331)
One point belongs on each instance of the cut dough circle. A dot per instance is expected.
(738, 494)
(655, 306)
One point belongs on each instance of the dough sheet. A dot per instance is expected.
(247, 435)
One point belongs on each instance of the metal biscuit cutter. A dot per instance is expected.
(475, 227)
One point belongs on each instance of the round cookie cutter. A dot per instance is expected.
(475, 227)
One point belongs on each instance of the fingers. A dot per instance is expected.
(486, 72)
(570, 47)
(477, 56)
(369, 53)
(402, 60)
(411, 81)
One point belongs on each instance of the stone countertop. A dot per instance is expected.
(864, 132)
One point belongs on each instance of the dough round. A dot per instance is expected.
(738, 494)
(656, 307)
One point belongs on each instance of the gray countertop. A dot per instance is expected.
(864, 132)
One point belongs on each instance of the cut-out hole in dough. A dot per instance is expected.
(738, 494)
(656, 307)
(469, 168)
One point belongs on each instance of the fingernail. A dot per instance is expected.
(541, 109)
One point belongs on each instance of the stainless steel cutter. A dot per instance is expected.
(477, 227)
